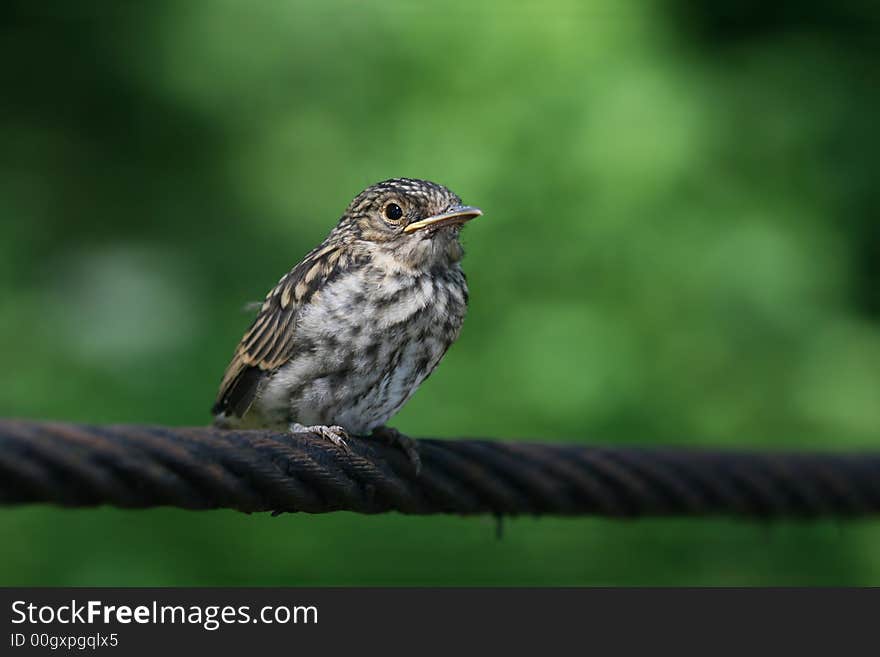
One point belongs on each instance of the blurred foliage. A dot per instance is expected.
(681, 245)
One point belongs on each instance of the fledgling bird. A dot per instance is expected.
(346, 337)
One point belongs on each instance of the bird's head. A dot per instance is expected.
(412, 223)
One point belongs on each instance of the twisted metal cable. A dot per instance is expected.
(134, 466)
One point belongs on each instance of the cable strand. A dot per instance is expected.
(133, 466)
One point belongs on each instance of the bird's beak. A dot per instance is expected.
(457, 215)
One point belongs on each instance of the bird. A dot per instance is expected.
(346, 337)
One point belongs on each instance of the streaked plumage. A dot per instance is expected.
(347, 336)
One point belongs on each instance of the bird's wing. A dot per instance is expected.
(269, 342)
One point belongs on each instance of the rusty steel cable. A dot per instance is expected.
(132, 466)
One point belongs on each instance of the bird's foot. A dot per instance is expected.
(334, 433)
(394, 438)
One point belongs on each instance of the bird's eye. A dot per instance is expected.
(392, 212)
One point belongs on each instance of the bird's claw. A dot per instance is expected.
(334, 433)
(409, 446)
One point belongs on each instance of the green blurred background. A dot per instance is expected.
(681, 245)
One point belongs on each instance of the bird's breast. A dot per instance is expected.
(364, 343)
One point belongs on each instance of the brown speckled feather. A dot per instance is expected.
(269, 342)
